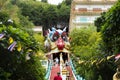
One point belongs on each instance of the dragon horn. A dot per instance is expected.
(49, 30)
(64, 30)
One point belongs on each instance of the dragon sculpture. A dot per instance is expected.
(57, 43)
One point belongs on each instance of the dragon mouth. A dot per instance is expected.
(56, 50)
(60, 54)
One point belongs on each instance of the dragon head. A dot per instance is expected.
(57, 40)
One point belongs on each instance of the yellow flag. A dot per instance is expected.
(19, 47)
(10, 40)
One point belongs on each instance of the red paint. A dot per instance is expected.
(60, 43)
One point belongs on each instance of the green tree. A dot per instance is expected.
(68, 2)
(32, 10)
(50, 17)
(63, 14)
(86, 41)
(110, 30)
(40, 39)
(15, 15)
(2, 4)
(44, 1)
(100, 21)
(15, 62)
(21, 62)
(53, 14)
(88, 54)
(4, 17)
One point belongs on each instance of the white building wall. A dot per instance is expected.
(90, 7)
(83, 15)
(84, 19)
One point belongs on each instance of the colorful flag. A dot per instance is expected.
(11, 40)
(19, 47)
(117, 56)
(1, 35)
(11, 47)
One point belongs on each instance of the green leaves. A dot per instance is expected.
(85, 42)
(21, 62)
(110, 29)
(88, 50)
(45, 14)
(4, 75)
(15, 61)
(4, 17)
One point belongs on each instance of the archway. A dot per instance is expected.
(64, 56)
(56, 55)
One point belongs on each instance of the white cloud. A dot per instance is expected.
(56, 2)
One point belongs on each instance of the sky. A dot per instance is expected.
(56, 2)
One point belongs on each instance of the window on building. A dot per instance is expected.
(112, 0)
(83, 19)
(97, 9)
(83, 9)
(96, 0)
(74, 9)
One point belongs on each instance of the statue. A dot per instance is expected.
(57, 43)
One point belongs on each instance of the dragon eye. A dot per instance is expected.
(64, 36)
(55, 36)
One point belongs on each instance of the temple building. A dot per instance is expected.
(84, 12)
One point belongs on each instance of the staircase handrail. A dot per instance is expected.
(77, 77)
(48, 70)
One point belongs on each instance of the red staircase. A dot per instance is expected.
(70, 71)
(54, 71)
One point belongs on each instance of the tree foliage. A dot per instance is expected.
(4, 17)
(108, 25)
(3, 3)
(100, 21)
(19, 63)
(67, 2)
(44, 1)
(84, 41)
(63, 14)
(45, 14)
(89, 56)
(110, 29)
(14, 13)
(15, 62)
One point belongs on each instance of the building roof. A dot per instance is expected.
(37, 29)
